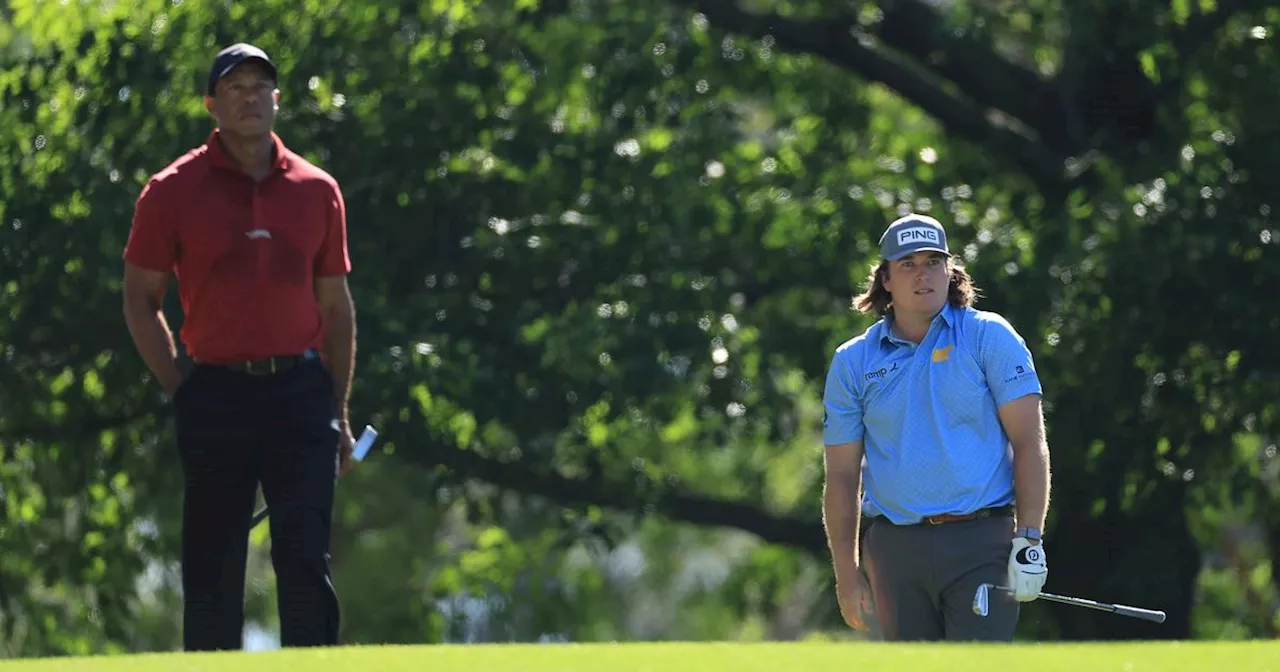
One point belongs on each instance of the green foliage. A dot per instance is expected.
(602, 255)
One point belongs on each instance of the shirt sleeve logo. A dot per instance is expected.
(1020, 371)
(942, 354)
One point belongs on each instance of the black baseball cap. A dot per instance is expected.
(234, 55)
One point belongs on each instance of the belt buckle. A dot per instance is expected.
(252, 369)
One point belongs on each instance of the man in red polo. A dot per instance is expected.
(256, 236)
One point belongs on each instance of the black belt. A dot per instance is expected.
(270, 365)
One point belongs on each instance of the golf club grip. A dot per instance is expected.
(1144, 614)
(1117, 609)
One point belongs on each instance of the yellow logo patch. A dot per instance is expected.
(941, 354)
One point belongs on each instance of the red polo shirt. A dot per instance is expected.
(245, 253)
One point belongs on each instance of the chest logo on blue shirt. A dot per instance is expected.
(942, 354)
(880, 372)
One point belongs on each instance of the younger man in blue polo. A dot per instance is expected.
(935, 409)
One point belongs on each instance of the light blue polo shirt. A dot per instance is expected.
(927, 414)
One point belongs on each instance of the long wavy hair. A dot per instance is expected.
(961, 292)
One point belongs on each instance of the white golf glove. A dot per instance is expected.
(1027, 569)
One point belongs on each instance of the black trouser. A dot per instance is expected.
(236, 430)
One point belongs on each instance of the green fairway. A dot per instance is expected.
(1153, 657)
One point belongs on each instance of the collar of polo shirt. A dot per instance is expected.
(947, 315)
(219, 157)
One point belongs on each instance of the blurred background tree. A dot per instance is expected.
(603, 253)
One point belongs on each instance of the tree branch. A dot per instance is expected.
(640, 496)
(915, 29)
(837, 41)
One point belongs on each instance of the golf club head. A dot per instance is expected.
(982, 600)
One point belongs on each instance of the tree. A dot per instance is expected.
(602, 256)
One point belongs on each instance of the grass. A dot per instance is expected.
(730, 657)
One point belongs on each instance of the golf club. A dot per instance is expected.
(363, 444)
(982, 600)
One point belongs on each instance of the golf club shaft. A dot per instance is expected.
(1118, 609)
(362, 447)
